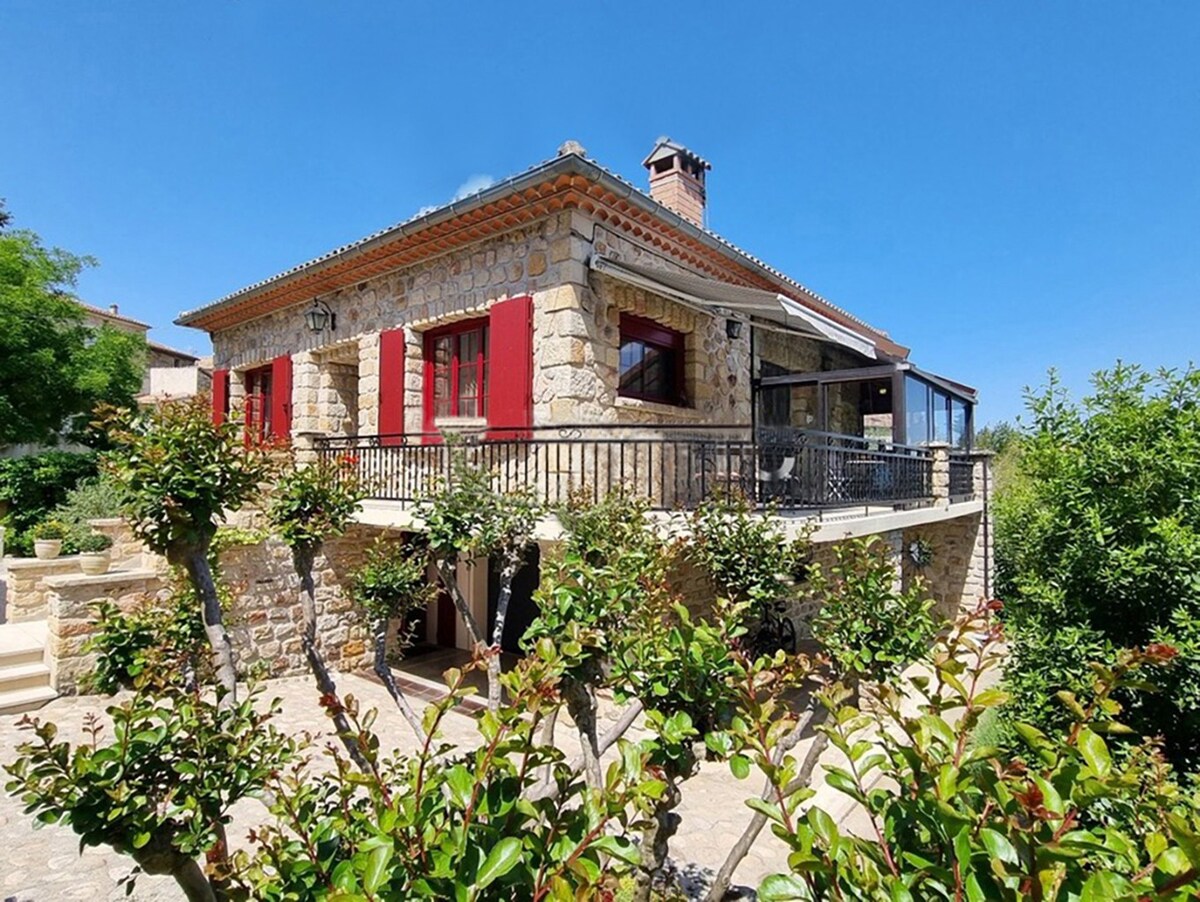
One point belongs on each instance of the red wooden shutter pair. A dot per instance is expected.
(281, 396)
(509, 377)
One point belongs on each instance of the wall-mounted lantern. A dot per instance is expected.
(319, 316)
(733, 329)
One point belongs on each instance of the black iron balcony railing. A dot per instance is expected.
(962, 476)
(670, 466)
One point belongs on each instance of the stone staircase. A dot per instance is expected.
(24, 673)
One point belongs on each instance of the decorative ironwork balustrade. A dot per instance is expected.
(962, 477)
(669, 466)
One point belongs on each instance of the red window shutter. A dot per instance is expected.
(220, 395)
(510, 368)
(281, 397)
(391, 386)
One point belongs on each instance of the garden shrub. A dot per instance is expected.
(1098, 532)
(32, 487)
(95, 498)
(871, 628)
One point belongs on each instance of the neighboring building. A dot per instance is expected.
(587, 335)
(170, 373)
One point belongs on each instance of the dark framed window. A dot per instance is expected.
(456, 371)
(258, 404)
(651, 362)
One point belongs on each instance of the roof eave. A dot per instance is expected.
(572, 164)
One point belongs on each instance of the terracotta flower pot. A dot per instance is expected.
(94, 563)
(47, 549)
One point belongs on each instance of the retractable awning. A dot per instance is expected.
(751, 303)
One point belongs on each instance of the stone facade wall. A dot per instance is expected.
(28, 594)
(71, 622)
(264, 622)
(955, 575)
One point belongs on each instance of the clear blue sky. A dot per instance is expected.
(1004, 187)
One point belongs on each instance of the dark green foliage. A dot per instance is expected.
(393, 581)
(1045, 661)
(161, 789)
(434, 825)
(1099, 531)
(158, 644)
(179, 472)
(32, 487)
(313, 503)
(746, 557)
(869, 627)
(54, 369)
(93, 543)
(1062, 817)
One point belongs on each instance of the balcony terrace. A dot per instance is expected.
(784, 470)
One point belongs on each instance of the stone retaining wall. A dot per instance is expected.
(28, 595)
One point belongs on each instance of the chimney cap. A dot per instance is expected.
(571, 146)
(113, 309)
(665, 147)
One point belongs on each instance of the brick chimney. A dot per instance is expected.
(677, 179)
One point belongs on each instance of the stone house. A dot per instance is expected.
(582, 334)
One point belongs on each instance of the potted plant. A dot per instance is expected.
(48, 539)
(94, 557)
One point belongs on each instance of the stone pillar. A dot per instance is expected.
(893, 543)
(941, 473)
(305, 445)
(368, 384)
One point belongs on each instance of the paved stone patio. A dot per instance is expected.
(45, 864)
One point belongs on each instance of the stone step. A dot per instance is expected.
(23, 676)
(22, 643)
(21, 700)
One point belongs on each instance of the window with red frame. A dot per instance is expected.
(456, 365)
(258, 404)
(651, 362)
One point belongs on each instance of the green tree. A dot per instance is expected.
(179, 474)
(1098, 540)
(45, 344)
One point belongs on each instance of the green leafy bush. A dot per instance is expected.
(309, 504)
(95, 498)
(32, 487)
(1098, 531)
(748, 558)
(50, 530)
(1061, 818)
(93, 543)
(393, 580)
(159, 643)
(869, 626)
(160, 790)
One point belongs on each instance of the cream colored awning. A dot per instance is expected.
(723, 299)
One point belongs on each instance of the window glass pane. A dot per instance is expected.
(958, 423)
(468, 389)
(632, 353)
(916, 411)
(443, 353)
(941, 417)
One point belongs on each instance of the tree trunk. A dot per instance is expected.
(379, 632)
(507, 574)
(741, 848)
(581, 703)
(303, 558)
(655, 840)
(195, 561)
(446, 573)
(160, 858)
